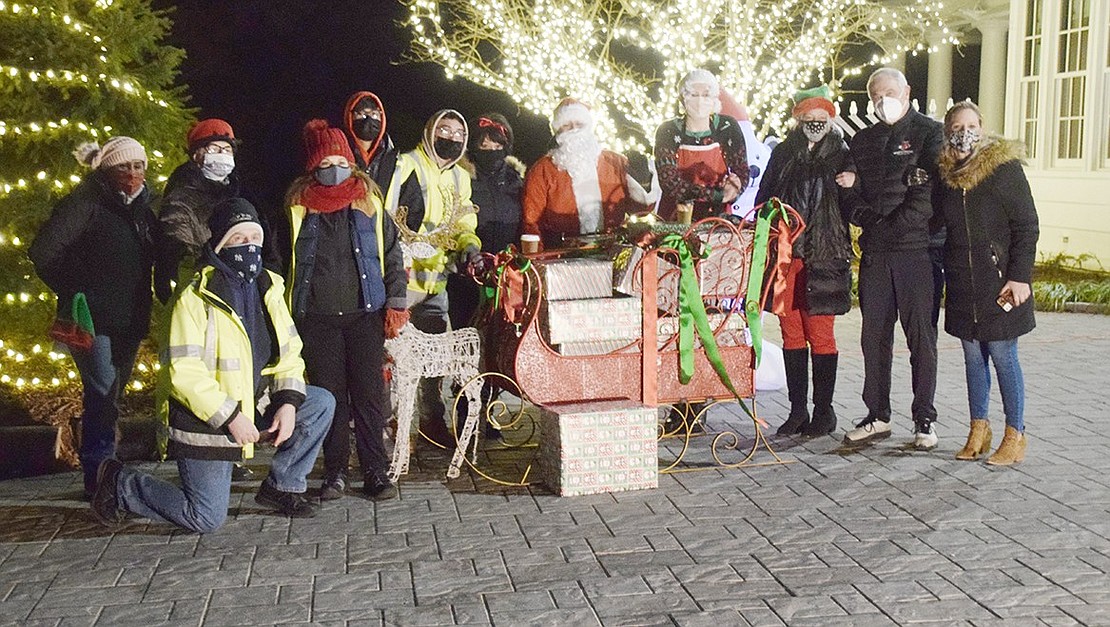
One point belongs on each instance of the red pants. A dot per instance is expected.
(799, 328)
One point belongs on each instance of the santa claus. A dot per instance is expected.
(579, 188)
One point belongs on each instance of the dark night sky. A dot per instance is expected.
(268, 66)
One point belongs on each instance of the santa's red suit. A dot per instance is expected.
(552, 199)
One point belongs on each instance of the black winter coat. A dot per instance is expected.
(95, 244)
(187, 203)
(992, 238)
(806, 180)
(498, 197)
(893, 212)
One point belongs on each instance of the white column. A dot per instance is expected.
(992, 74)
(940, 79)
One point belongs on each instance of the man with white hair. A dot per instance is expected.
(890, 198)
(578, 188)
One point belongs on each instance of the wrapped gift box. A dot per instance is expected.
(576, 279)
(591, 320)
(588, 448)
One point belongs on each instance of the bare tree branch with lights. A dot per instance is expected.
(626, 57)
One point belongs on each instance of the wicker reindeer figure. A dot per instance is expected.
(416, 355)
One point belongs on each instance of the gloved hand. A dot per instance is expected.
(469, 259)
(395, 319)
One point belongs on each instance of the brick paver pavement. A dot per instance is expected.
(877, 536)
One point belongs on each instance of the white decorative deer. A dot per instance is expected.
(417, 355)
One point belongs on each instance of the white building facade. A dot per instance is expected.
(1058, 104)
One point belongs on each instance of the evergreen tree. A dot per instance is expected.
(71, 71)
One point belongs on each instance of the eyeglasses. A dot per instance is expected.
(215, 149)
(446, 133)
(373, 114)
(701, 94)
(131, 166)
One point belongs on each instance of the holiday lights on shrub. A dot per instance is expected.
(625, 57)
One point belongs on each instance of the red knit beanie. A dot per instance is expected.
(210, 130)
(321, 140)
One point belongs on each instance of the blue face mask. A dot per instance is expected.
(245, 259)
(332, 175)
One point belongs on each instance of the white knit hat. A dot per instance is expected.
(118, 150)
(571, 110)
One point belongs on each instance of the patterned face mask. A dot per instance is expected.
(245, 259)
(815, 131)
(964, 140)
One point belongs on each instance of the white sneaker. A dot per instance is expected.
(867, 430)
(925, 437)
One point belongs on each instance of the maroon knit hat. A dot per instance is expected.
(321, 140)
(210, 130)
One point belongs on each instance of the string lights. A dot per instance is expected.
(62, 61)
(625, 57)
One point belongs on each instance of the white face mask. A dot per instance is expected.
(699, 108)
(217, 166)
(890, 110)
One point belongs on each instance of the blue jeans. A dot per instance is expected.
(1010, 382)
(104, 369)
(200, 504)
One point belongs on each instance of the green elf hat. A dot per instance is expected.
(814, 98)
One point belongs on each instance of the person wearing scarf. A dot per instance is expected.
(346, 289)
(988, 259)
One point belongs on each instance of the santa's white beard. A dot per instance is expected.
(577, 153)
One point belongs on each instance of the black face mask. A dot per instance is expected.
(488, 160)
(367, 129)
(448, 149)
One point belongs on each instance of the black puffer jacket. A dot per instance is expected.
(498, 197)
(184, 211)
(894, 214)
(95, 244)
(805, 180)
(992, 238)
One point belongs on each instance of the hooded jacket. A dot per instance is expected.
(806, 180)
(380, 159)
(420, 167)
(992, 238)
(95, 244)
(374, 244)
(894, 214)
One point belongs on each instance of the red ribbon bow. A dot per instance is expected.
(488, 123)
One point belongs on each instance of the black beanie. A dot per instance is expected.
(226, 215)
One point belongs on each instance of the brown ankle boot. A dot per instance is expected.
(978, 440)
(1011, 450)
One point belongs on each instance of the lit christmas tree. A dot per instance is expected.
(70, 72)
(625, 57)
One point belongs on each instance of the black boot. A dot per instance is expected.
(797, 386)
(824, 383)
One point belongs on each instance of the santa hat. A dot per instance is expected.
(810, 99)
(321, 141)
(210, 130)
(571, 110)
(115, 151)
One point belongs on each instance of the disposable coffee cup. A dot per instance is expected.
(529, 244)
(685, 212)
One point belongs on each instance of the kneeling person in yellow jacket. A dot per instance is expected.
(232, 344)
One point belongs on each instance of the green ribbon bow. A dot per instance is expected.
(80, 313)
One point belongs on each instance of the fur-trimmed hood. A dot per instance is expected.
(969, 174)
